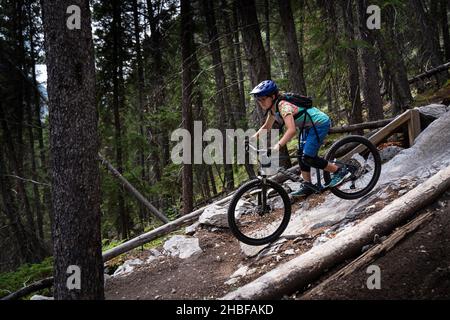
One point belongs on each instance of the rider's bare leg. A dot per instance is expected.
(331, 167)
(306, 176)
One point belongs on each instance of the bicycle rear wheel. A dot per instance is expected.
(259, 212)
(364, 162)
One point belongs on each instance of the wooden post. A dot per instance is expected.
(364, 125)
(382, 133)
(413, 126)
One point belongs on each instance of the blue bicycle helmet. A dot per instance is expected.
(265, 88)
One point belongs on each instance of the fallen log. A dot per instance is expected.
(373, 253)
(132, 190)
(38, 285)
(302, 270)
(429, 73)
(358, 126)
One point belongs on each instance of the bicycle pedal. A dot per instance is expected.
(312, 187)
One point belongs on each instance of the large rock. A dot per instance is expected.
(276, 203)
(433, 111)
(182, 246)
(243, 207)
(217, 216)
(127, 267)
(214, 215)
(389, 152)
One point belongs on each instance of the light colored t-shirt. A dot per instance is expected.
(317, 117)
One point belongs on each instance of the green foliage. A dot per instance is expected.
(25, 275)
(108, 244)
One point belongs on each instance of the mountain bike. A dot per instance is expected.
(260, 209)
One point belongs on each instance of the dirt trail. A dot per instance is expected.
(204, 276)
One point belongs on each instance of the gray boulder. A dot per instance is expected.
(39, 297)
(217, 216)
(182, 247)
(433, 111)
(190, 230)
(390, 152)
(214, 215)
(127, 267)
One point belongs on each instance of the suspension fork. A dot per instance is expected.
(262, 196)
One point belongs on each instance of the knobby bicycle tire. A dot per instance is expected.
(234, 224)
(377, 166)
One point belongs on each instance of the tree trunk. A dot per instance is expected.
(267, 30)
(36, 253)
(117, 104)
(355, 113)
(242, 114)
(370, 81)
(199, 115)
(444, 7)
(295, 59)
(222, 97)
(140, 101)
(430, 48)
(328, 10)
(211, 179)
(186, 54)
(36, 195)
(26, 252)
(236, 108)
(157, 91)
(392, 57)
(37, 114)
(254, 49)
(74, 145)
(237, 50)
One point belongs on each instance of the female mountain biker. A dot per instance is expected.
(315, 124)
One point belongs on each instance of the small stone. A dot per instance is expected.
(376, 238)
(241, 272)
(173, 291)
(232, 281)
(289, 252)
(190, 230)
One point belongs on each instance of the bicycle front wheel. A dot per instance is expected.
(259, 212)
(364, 162)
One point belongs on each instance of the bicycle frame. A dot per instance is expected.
(319, 187)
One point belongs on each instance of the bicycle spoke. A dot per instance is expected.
(362, 160)
(258, 223)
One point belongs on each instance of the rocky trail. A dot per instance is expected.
(207, 262)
